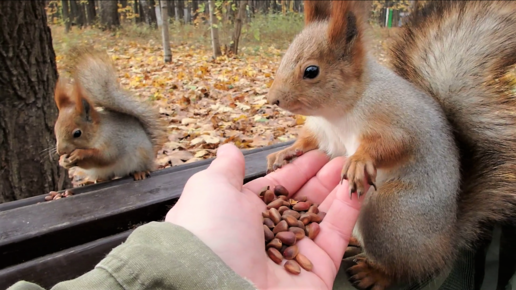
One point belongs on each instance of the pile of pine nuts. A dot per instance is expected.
(285, 222)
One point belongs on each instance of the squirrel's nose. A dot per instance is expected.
(273, 99)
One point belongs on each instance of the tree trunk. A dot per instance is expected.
(148, 12)
(66, 15)
(238, 26)
(137, 10)
(187, 13)
(90, 12)
(28, 75)
(77, 13)
(179, 10)
(164, 31)
(109, 14)
(123, 12)
(214, 30)
(171, 11)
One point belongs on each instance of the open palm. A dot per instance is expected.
(226, 216)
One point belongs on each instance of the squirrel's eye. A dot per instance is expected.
(77, 133)
(311, 72)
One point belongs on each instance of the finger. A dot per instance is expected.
(337, 226)
(293, 175)
(318, 188)
(323, 266)
(229, 165)
(326, 203)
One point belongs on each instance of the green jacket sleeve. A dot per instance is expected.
(158, 255)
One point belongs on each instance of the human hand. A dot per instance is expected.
(226, 215)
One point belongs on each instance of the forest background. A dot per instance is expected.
(207, 65)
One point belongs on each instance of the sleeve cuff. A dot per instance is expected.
(161, 255)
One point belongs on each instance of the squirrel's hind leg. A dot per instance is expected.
(365, 275)
(354, 248)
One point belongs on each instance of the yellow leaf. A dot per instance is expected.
(201, 153)
(241, 117)
(300, 120)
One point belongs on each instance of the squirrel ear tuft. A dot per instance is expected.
(317, 10)
(346, 28)
(83, 105)
(62, 94)
(346, 24)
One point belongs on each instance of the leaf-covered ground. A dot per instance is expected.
(205, 102)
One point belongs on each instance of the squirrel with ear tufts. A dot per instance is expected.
(434, 135)
(120, 139)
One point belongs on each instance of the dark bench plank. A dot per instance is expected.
(35, 230)
(61, 266)
(41, 198)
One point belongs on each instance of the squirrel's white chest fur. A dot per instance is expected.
(338, 138)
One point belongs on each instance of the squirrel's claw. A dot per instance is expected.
(365, 276)
(140, 175)
(279, 159)
(358, 171)
(371, 174)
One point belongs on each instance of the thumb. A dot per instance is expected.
(229, 164)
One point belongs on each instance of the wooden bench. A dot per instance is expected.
(47, 242)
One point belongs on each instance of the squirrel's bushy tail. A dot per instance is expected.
(97, 77)
(460, 52)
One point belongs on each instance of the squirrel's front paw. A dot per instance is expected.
(354, 170)
(65, 162)
(279, 159)
(76, 155)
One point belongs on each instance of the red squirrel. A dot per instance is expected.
(433, 133)
(121, 138)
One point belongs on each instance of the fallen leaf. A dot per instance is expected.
(201, 153)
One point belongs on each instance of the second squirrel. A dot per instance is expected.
(435, 138)
(120, 139)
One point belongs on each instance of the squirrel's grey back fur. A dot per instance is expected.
(458, 52)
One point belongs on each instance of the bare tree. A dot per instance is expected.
(164, 29)
(28, 75)
(179, 9)
(109, 14)
(187, 15)
(238, 26)
(66, 15)
(90, 12)
(214, 30)
(148, 12)
(137, 10)
(77, 10)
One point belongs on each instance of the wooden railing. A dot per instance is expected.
(47, 242)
